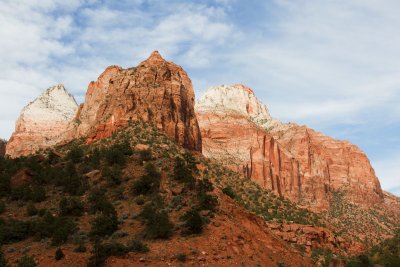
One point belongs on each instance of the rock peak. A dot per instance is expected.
(244, 88)
(155, 57)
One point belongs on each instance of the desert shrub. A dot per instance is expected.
(183, 173)
(181, 257)
(80, 248)
(62, 228)
(106, 222)
(31, 210)
(75, 154)
(59, 254)
(140, 200)
(145, 155)
(71, 182)
(149, 183)
(116, 154)
(193, 222)
(71, 206)
(3, 261)
(38, 194)
(2, 206)
(112, 175)
(101, 252)
(207, 201)
(135, 245)
(12, 230)
(26, 261)
(229, 192)
(204, 185)
(158, 225)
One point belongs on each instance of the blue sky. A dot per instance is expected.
(332, 65)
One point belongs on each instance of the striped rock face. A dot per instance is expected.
(294, 161)
(42, 122)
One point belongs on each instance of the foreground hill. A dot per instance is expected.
(136, 197)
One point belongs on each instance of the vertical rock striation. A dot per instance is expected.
(294, 161)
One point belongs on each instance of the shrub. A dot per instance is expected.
(72, 183)
(229, 192)
(183, 173)
(193, 222)
(181, 257)
(3, 261)
(115, 154)
(145, 155)
(62, 228)
(31, 210)
(158, 224)
(75, 154)
(112, 175)
(59, 254)
(105, 223)
(26, 261)
(71, 206)
(140, 200)
(102, 251)
(13, 231)
(148, 183)
(2, 206)
(135, 245)
(207, 201)
(80, 248)
(38, 194)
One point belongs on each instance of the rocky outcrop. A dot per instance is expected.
(294, 161)
(3, 144)
(42, 122)
(310, 237)
(156, 91)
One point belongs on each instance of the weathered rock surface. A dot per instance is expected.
(294, 161)
(42, 122)
(3, 144)
(155, 91)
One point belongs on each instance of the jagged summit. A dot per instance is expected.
(240, 99)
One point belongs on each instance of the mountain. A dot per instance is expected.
(42, 122)
(155, 91)
(120, 181)
(294, 161)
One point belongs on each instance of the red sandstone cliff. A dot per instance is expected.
(155, 91)
(294, 161)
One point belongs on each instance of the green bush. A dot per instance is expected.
(2, 206)
(71, 206)
(207, 201)
(183, 173)
(59, 254)
(149, 183)
(101, 252)
(75, 154)
(31, 210)
(38, 194)
(3, 261)
(62, 228)
(26, 261)
(105, 223)
(12, 230)
(71, 182)
(145, 155)
(181, 257)
(193, 222)
(112, 175)
(116, 154)
(135, 245)
(158, 225)
(229, 192)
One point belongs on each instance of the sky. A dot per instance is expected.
(332, 65)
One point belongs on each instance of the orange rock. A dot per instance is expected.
(156, 91)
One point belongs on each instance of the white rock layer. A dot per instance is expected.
(238, 99)
(42, 122)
